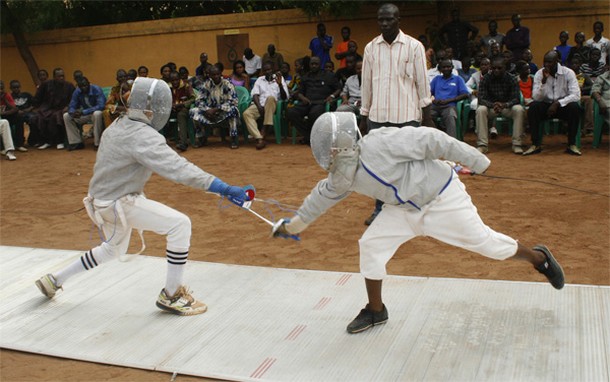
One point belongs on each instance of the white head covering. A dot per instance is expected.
(150, 102)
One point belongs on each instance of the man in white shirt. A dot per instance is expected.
(253, 63)
(395, 88)
(266, 91)
(556, 94)
(600, 42)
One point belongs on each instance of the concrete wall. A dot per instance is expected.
(99, 51)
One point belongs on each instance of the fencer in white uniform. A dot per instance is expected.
(422, 193)
(131, 149)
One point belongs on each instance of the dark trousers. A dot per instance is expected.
(537, 113)
(297, 115)
(51, 125)
(16, 122)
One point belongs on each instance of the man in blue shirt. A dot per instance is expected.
(88, 102)
(321, 44)
(447, 89)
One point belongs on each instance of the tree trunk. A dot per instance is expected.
(21, 43)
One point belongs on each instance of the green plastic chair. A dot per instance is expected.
(244, 100)
(598, 123)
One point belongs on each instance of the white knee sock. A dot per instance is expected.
(175, 270)
(89, 260)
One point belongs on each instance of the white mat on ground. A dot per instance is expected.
(289, 325)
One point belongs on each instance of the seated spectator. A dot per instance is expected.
(285, 70)
(594, 67)
(447, 89)
(556, 94)
(495, 51)
(349, 70)
(342, 50)
(301, 67)
(52, 99)
(10, 112)
(86, 106)
(77, 75)
(143, 71)
(132, 74)
(430, 55)
(184, 73)
(7, 140)
(117, 98)
(499, 95)
(253, 63)
(527, 57)
(475, 80)
(239, 76)
(466, 70)
(25, 109)
(330, 67)
(510, 65)
(434, 72)
(204, 65)
(182, 98)
(274, 57)
(563, 48)
(316, 89)
(352, 49)
(42, 76)
(449, 54)
(584, 83)
(600, 92)
(268, 89)
(351, 93)
(526, 81)
(165, 71)
(580, 49)
(216, 107)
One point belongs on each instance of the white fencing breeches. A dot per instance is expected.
(450, 218)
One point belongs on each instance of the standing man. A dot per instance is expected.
(52, 99)
(342, 47)
(274, 57)
(493, 36)
(87, 105)
(499, 95)
(517, 38)
(456, 34)
(600, 42)
(321, 44)
(267, 90)
(204, 64)
(395, 89)
(556, 94)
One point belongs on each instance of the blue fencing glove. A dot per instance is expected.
(235, 194)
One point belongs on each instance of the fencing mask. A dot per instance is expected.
(334, 135)
(150, 102)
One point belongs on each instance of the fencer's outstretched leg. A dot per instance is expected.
(544, 262)
(374, 313)
(52, 282)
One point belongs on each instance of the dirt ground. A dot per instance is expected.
(41, 193)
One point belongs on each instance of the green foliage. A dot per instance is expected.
(35, 15)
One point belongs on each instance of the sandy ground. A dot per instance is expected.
(41, 193)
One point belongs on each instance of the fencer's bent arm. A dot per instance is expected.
(321, 198)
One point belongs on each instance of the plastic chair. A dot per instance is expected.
(244, 99)
(107, 90)
(598, 123)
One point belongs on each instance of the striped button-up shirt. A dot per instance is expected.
(394, 82)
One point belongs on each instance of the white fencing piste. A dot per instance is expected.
(268, 324)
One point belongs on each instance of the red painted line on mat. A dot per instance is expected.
(263, 367)
(343, 280)
(295, 332)
(322, 303)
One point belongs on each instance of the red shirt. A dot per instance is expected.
(526, 87)
(7, 99)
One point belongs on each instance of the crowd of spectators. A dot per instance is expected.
(493, 74)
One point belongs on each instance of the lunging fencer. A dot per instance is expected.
(423, 196)
(132, 149)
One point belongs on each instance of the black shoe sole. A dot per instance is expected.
(558, 282)
(359, 330)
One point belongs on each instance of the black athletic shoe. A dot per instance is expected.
(367, 319)
(76, 146)
(550, 268)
